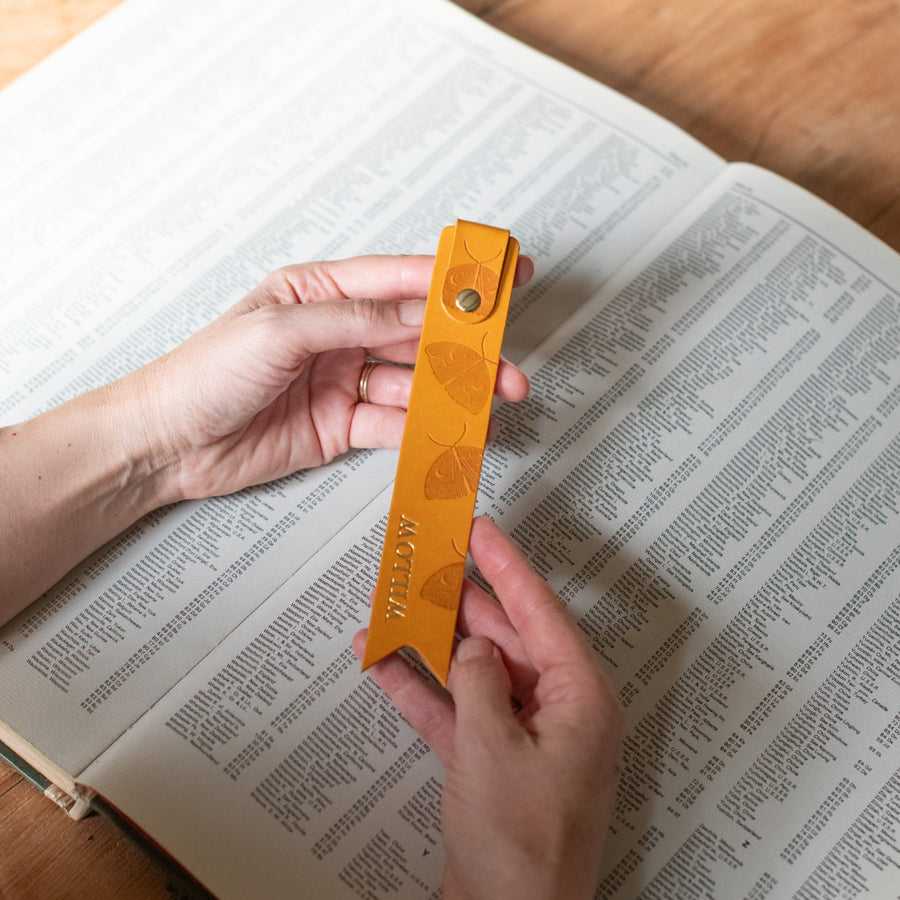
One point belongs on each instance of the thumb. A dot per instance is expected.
(481, 688)
(337, 324)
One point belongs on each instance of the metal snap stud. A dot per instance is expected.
(468, 300)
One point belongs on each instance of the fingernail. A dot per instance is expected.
(525, 269)
(474, 648)
(412, 312)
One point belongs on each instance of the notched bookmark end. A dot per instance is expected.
(427, 535)
(437, 659)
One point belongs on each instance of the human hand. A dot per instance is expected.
(270, 387)
(267, 388)
(530, 788)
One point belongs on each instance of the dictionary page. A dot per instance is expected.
(708, 472)
(163, 163)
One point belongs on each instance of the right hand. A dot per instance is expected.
(531, 739)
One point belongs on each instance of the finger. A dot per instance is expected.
(287, 336)
(548, 631)
(400, 354)
(380, 277)
(376, 427)
(480, 614)
(512, 384)
(389, 385)
(481, 690)
(431, 714)
(524, 271)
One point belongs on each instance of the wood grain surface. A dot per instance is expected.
(807, 88)
(45, 855)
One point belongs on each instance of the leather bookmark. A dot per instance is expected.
(427, 536)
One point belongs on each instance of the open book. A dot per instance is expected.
(707, 470)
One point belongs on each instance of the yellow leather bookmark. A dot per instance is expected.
(427, 537)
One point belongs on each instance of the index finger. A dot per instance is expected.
(376, 277)
(379, 277)
(547, 629)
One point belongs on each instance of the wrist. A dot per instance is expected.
(526, 873)
(96, 457)
(73, 478)
(142, 458)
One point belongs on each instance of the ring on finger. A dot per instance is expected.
(362, 389)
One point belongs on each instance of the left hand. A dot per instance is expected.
(270, 387)
(267, 388)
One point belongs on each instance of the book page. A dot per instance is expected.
(722, 515)
(707, 471)
(195, 147)
(307, 776)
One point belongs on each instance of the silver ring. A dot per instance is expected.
(362, 388)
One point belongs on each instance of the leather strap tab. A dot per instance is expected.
(427, 536)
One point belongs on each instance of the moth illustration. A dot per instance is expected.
(455, 472)
(442, 588)
(463, 372)
(477, 274)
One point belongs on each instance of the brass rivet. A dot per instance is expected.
(468, 300)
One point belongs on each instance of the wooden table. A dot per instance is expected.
(807, 88)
